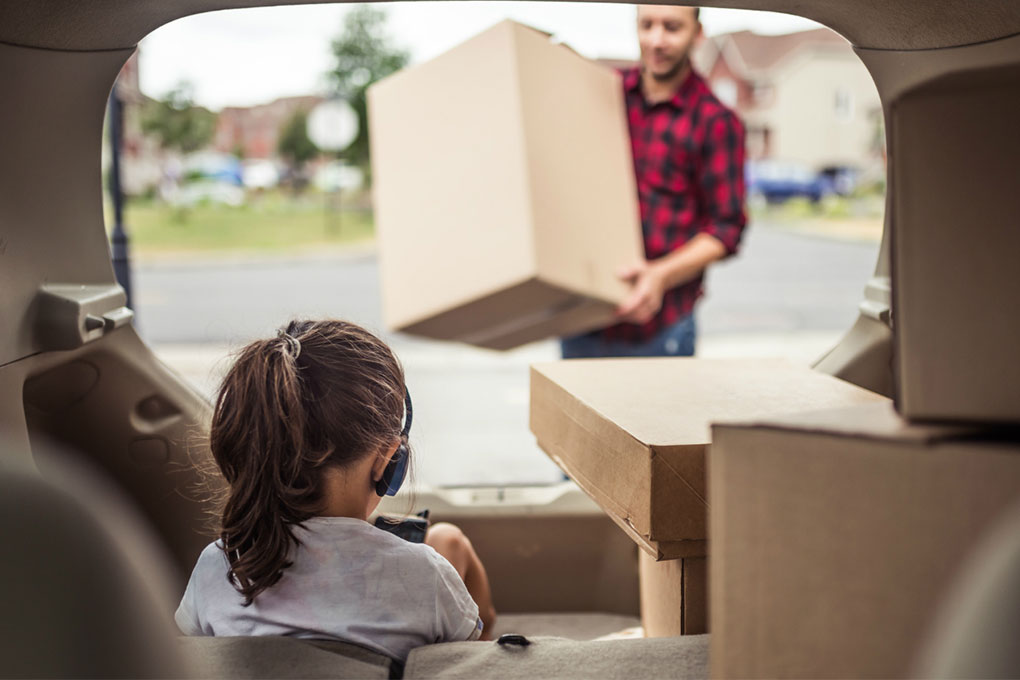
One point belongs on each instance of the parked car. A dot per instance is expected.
(842, 178)
(213, 166)
(778, 181)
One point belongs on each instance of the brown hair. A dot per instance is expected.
(320, 394)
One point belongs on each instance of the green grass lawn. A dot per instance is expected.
(857, 218)
(273, 222)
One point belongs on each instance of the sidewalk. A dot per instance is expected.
(852, 229)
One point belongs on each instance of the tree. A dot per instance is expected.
(294, 144)
(362, 56)
(177, 122)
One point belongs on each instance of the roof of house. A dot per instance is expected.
(281, 104)
(757, 52)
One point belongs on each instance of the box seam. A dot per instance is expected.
(524, 146)
(656, 454)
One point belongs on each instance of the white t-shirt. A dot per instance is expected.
(349, 581)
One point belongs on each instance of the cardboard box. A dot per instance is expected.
(674, 596)
(835, 536)
(505, 198)
(955, 281)
(633, 433)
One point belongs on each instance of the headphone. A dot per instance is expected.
(396, 469)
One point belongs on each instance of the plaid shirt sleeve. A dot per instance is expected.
(722, 181)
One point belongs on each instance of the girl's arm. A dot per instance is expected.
(450, 542)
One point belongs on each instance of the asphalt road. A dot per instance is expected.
(785, 294)
(780, 282)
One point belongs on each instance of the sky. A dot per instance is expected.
(252, 56)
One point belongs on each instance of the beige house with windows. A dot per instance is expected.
(803, 96)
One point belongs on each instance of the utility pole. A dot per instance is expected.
(332, 126)
(119, 238)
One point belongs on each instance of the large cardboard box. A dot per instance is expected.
(505, 198)
(835, 536)
(956, 236)
(633, 433)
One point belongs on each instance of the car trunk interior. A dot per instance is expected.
(558, 565)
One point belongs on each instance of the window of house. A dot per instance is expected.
(762, 93)
(844, 105)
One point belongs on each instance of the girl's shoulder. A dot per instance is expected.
(212, 560)
(212, 551)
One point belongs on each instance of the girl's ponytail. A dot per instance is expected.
(318, 394)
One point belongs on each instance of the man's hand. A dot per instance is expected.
(648, 285)
(651, 279)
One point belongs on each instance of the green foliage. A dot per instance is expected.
(294, 144)
(362, 55)
(177, 122)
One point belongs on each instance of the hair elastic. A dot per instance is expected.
(293, 344)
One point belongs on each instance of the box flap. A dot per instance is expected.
(871, 421)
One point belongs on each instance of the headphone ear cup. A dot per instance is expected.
(393, 476)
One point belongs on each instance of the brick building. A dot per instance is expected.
(254, 130)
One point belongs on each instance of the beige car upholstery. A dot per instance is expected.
(281, 657)
(682, 657)
(73, 603)
(975, 634)
(544, 657)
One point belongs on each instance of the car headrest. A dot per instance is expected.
(975, 634)
(75, 604)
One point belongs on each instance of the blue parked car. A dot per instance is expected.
(778, 181)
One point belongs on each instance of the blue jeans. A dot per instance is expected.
(672, 341)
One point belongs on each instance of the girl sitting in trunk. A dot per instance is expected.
(310, 431)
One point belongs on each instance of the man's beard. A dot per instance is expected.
(672, 73)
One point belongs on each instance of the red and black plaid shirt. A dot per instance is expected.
(689, 163)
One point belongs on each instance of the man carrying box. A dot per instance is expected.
(689, 160)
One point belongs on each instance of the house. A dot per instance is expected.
(803, 96)
(254, 131)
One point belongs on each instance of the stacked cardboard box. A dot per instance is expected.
(835, 536)
(505, 198)
(955, 281)
(634, 434)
